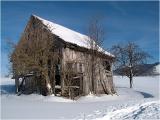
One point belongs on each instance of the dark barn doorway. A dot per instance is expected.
(57, 80)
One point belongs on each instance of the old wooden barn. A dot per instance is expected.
(52, 59)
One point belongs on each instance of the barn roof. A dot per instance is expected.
(69, 35)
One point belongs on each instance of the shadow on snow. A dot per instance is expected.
(7, 89)
(146, 95)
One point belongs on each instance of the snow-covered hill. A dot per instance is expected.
(145, 69)
(156, 69)
(141, 102)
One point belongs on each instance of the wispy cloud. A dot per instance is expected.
(117, 7)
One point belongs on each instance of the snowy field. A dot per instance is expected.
(141, 102)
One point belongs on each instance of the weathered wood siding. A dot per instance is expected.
(36, 32)
(85, 58)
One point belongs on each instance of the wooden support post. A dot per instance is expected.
(16, 84)
(54, 83)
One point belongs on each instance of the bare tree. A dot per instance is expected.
(72, 77)
(34, 53)
(95, 41)
(127, 58)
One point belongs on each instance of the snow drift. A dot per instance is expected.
(141, 102)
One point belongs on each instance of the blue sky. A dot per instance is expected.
(123, 21)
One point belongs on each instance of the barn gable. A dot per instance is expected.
(69, 35)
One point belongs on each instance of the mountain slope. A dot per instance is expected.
(144, 69)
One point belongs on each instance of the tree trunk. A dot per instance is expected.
(92, 72)
(131, 81)
(131, 78)
(92, 89)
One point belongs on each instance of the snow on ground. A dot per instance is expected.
(148, 86)
(147, 110)
(141, 102)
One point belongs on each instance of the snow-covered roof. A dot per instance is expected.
(69, 35)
